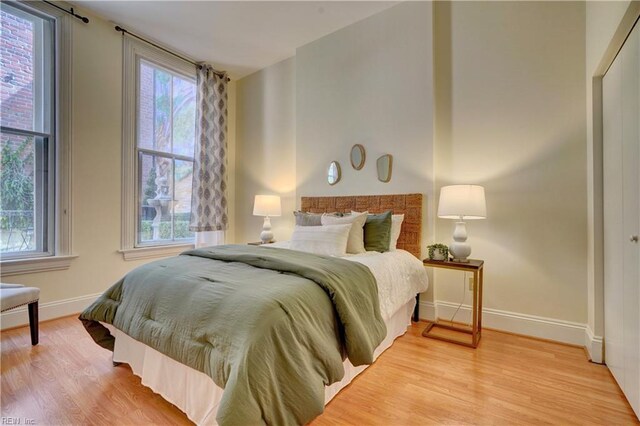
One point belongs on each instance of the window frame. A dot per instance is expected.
(135, 51)
(59, 245)
(44, 217)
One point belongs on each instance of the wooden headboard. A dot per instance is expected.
(408, 204)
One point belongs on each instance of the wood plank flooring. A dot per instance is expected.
(67, 379)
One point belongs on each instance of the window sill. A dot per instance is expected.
(35, 264)
(154, 251)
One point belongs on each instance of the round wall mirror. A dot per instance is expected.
(358, 156)
(333, 173)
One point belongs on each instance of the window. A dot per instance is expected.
(28, 136)
(158, 148)
(165, 147)
(35, 142)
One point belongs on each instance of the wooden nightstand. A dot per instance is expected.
(477, 267)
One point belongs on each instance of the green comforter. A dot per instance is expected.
(270, 326)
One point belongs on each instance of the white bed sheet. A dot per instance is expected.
(399, 276)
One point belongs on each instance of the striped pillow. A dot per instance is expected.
(330, 240)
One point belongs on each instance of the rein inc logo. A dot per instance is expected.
(17, 421)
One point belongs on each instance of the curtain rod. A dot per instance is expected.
(70, 11)
(124, 31)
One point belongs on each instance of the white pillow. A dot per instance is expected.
(355, 244)
(396, 228)
(328, 240)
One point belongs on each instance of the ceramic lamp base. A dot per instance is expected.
(460, 250)
(266, 236)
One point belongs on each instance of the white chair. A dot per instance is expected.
(16, 295)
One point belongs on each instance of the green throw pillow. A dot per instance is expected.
(377, 232)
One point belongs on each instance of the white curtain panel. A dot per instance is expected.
(209, 238)
(208, 200)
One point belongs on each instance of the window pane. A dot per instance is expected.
(25, 43)
(162, 113)
(182, 208)
(156, 199)
(18, 194)
(184, 116)
(145, 106)
(166, 125)
(148, 191)
(166, 111)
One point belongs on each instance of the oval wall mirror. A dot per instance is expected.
(358, 156)
(333, 173)
(384, 166)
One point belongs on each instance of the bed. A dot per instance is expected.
(397, 276)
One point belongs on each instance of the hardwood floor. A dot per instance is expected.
(67, 379)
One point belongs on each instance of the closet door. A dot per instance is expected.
(613, 220)
(631, 215)
(621, 156)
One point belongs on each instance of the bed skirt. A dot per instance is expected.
(196, 394)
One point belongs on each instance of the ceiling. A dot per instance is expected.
(237, 36)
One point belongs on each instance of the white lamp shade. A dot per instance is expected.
(267, 205)
(462, 201)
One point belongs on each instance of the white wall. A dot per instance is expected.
(266, 151)
(369, 83)
(510, 116)
(96, 171)
(509, 110)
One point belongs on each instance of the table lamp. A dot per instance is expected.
(461, 202)
(266, 205)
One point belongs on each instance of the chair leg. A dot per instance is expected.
(33, 322)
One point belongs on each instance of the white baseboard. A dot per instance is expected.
(428, 310)
(595, 346)
(529, 325)
(47, 311)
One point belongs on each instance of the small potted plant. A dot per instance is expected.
(438, 252)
